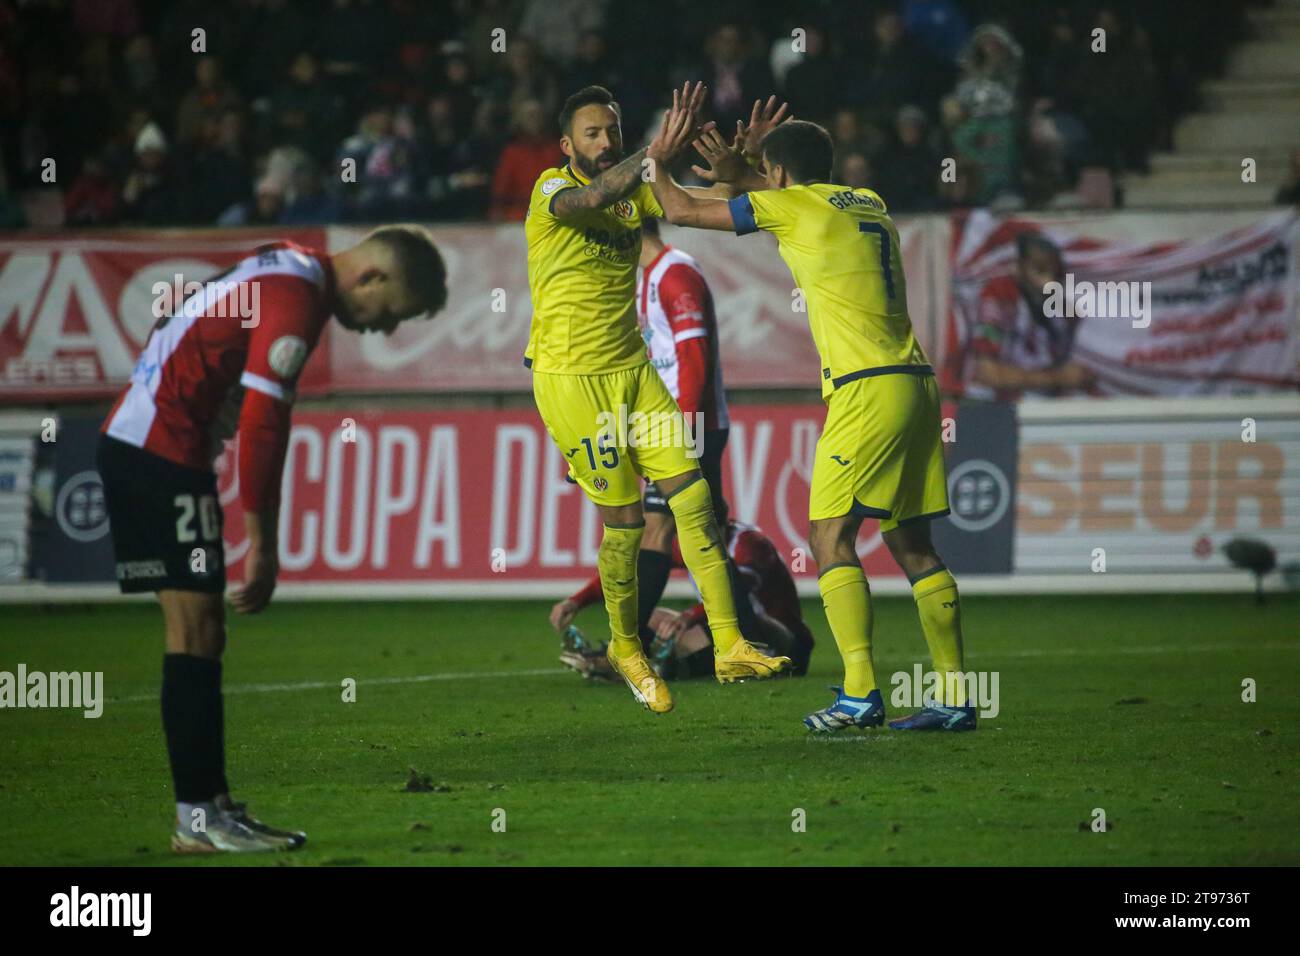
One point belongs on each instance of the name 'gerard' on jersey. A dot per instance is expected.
(847, 198)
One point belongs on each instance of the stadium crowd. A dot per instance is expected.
(448, 107)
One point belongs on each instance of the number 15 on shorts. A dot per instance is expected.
(603, 447)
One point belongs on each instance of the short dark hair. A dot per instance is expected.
(420, 262)
(586, 97)
(1027, 242)
(803, 149)
(650, 226)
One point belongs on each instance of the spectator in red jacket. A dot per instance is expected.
(92, 200)
(521, 162)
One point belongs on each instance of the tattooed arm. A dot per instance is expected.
(617, 182)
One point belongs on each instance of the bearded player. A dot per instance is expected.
(590, 371)
(880, 454)
(205, 372)
(675, 309)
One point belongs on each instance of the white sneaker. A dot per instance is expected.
(223, 834)
(283, 839)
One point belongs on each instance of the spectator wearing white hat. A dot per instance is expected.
(264, 209)
(150, 195)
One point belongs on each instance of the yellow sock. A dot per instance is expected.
(847, 600)
(940, 612)
(705, 555)
(616, 562)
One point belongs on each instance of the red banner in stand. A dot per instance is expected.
(419, 497)
(478, 342)
(75, 311)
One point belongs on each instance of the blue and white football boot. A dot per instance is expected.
(859, 712)
(935, 716)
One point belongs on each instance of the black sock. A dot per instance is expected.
(192, 722)
(698, 664)
(803, 648)
(223, 785)
(746, 619)
(652, 570)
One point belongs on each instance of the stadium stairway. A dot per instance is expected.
(1252, 112)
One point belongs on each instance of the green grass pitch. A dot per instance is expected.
(1129, 704)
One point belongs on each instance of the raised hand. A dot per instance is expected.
(726, 164)
(693, 99)
(763, 118)
(680, 124)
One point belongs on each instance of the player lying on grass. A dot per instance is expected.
(683, 645)
(590, 372)
(204, 372)
(880, 454)
(680, 329)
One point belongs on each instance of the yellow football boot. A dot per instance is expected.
(647, 686)
(745, 662)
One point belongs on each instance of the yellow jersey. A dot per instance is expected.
(582, 278)
(842, 248)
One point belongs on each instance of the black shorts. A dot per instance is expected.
(165, 520)
(710, 466)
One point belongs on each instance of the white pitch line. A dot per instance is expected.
(367, 682)
(552, 671)
(1158, 649)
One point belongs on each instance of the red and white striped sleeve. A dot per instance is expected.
(686, 302)
(290, 316)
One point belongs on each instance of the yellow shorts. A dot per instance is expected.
(615, 429)
(881, 452)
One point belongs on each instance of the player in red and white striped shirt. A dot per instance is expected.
(675, 308)
(228, 360)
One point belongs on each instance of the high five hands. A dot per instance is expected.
(731, 164)
(727, 162)
(680, 124)
(763, 118)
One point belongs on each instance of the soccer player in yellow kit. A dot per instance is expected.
(600, 398)
(880, 454)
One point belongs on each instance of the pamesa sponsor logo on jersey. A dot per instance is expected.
(611, 241)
